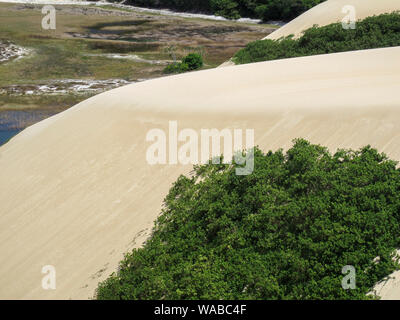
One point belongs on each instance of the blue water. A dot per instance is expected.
(6, 135)
(14, 121)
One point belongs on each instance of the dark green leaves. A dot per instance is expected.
(283, 232)
(193, 61)
(373, 32)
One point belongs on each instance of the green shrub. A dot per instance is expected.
(372, 32)
(225, 8)
(176, 67)
(283, 232)
(280, 9)
(192, 61)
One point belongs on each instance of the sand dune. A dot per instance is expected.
(76, 191)
(331, 11)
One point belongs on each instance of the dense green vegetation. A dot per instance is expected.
(372, 32)
(193, 61)
(234, 9)
(283, 232)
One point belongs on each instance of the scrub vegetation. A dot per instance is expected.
(373, 32)
(283, 232)
(193, 61)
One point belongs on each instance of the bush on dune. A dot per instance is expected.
(283, 232)
(373, 32)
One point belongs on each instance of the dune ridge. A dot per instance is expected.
(330, 12)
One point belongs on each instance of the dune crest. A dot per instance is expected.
(331, 11)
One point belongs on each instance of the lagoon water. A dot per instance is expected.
(6, 135)
(14, 121)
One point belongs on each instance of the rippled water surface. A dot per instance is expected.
(14, 121)
(6, 135)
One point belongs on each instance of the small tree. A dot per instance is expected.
(192, 61)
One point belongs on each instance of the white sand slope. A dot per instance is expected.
(76, 191)
(331, 11)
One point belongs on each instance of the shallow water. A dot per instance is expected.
(6, 135)
(14, 121)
